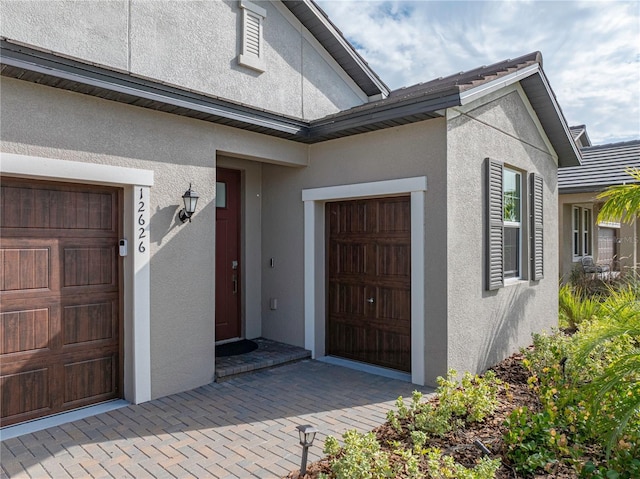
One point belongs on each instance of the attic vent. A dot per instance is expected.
(252, 43)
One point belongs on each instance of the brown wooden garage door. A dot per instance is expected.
(369, 281)
(59, 293)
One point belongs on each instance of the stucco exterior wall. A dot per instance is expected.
(193, 45)
(52, 123)
(565, 229)
(403, 152)
(487, 326)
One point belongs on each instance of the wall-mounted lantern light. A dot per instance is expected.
(190, 199)
(307, 434)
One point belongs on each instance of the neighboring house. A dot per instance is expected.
(386, 227)
(611, 244)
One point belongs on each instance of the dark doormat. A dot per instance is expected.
(237, 347)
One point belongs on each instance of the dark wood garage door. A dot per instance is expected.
(369, 281)
(59, 294)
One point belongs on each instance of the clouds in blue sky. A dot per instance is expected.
(590, 49)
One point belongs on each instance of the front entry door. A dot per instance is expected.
(369, 287)
(227, 254)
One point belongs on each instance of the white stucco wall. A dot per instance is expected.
(51, 123)
(190, 44)
(487, 326)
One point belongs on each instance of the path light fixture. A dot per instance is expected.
(190, 199)
(307, 434)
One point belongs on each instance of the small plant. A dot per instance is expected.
(359, 458)
(445, 467)
(470, 401)
(574, 308)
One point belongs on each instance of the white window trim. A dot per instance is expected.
(584, 230)
(575, 233)
(137, 318)
(248, 58)
(314, 260)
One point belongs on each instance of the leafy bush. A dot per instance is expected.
(444, 467)
(471, 401)
(589, 389)
(363, 457)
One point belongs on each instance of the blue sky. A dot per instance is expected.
(590, 49)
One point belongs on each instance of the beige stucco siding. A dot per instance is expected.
(403, 152)
(193, 45)
(486, 326)
(51, 123)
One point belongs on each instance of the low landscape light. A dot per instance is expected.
(307, 434)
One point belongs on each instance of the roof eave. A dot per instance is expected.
(54, 67)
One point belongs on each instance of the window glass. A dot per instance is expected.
(511, 252)
(511, 189)
(511, 204)
(586, 231)
(221, 194)
(576, 231)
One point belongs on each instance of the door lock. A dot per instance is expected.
(234, 264)
(370, 300)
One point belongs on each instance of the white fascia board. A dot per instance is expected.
(366, 190)
(475, 93)
(383, 89)
(563, 120)
(38, 167)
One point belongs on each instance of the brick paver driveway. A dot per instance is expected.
(241, 428)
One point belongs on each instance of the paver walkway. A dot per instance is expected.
(240, 428)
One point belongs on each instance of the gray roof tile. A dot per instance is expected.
(602, 166)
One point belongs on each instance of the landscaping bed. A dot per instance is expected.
(514, 393)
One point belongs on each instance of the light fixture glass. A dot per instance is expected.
(190, 199)
(307, 434)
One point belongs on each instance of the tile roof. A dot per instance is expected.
(579, 133)
(444, 86)
(602, 166)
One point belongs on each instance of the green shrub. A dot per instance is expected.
(359, 458)
(574, 308)
(445, 467)
(472, 400)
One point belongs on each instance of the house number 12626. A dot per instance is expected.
(141, 223)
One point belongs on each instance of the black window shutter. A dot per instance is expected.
(495, 226)
(537, 232)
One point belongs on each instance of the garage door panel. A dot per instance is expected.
(58, 207)
(25, 266)
(91, 322)
(89, 266)
(25, 394)
(91, 380)
(394, 260)
(394, 215)
(394, 304)
(25, 331)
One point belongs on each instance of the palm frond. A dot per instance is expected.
(622, 202)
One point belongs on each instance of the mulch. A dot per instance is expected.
(514, 393)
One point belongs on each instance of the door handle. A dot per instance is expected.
(234, 280)
(370, 300)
